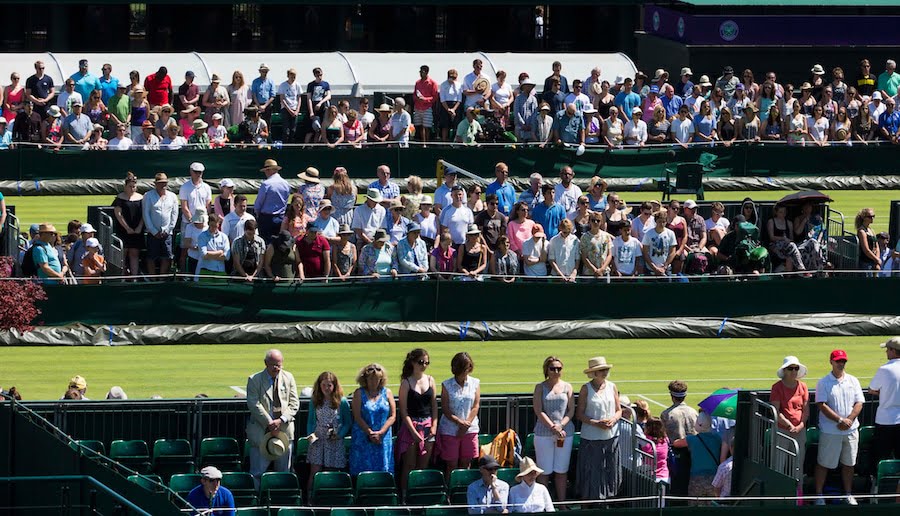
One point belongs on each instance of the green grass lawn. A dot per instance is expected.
(641, 366)
(61, 209)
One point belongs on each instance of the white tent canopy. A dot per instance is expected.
(350, 74)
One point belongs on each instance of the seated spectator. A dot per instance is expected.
(396, 223)
(333, 135)
(296, 217)
(471, 257)
(443, 257)
(97, 141)
(214, 250)
(809, 235)
(473, 199)
(93, 264)
(695, 227)
(116, 393)
(211, 494)
(280, 261)
(380, 128)
(534, 252)
(121, 141)
(781, 240)
(314, 253)
(703, 448)
(427, 221)
(564, 252)
(165, 121)
(504, 262)
(78, 250)
(658, 126)
(79, 385)
(592, 126)
(72, 394)
(376, 257)
(343, 254)
(529, 495)
(146, 139)
(818, 127)
(200, 138)
(488, 494)
(716, 227)
(217, 133)
(491, 222)
(26, 126)
(412, 197)
(172, 141)
(327, 224)
(542, 125)
(368, 217)
(635, 132)
(469, 130)
(247, 252)
(411, 256)
(52, 128)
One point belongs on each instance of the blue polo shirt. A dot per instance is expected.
(672, 105)
(223, 499)
(626, 102)
(506, 194)
(262, 90)
(44, 253)
(889, 121)
(107, 88)
(686, 89)
(568, 127)
(549, 217)
(85, 84)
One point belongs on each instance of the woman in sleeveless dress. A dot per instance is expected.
(13, 98)
(613, 130)
(140, 110)
(818, 127)
(599, 474)
(725, 128)
(605, 101)
(330, 420)
(554, 430)
(677, 224)
(771, 126)
(334, 128)
(374, 413)
(130, 223)
(418, 415)
(796, 126)
(342, 194)
(95, 109)
(471, 257)
(781, 240)
(842, 129)
(239, 96)
(868, 250)
(343, 254)
(748, 125)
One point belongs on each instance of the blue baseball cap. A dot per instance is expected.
(34, 229)
(413, 226)
(654, 89)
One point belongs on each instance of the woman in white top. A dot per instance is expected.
(564, 252)
(501, 98)
(460, 401)
(818, 127)
(796, 126)
(554, 430)
(842, 129)
(427, 221)
(636, 129)
(682, 128)
(613, 129)
(591, 125)
(400, 122)
(599, 411)
(534, 252)
(239, 97)
(528, 495)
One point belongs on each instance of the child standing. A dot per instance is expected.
(93, 262)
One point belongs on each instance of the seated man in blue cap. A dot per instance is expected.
(488, 494)
(211, 495)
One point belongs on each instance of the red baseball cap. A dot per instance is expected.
(839, 354)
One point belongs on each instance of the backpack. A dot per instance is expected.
(506, 448)
(748, 241)
(29, 269)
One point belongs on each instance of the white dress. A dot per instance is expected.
(240, 99)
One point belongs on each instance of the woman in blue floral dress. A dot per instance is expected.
(374, 412)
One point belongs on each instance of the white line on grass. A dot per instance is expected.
(651, 400)
(729, 380)
(239, 390)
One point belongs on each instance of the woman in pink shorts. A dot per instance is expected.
(418, 412)
(460, 400)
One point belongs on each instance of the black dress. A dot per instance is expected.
(131, 212)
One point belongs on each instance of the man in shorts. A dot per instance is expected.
(425, 94)
(840, 400)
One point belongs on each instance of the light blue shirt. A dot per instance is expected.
(480, 497)
(85, 84)
(107, 87)
(78, 126)
(329, 227)
(273, 196)
(208, 242)
(531, 198)
(549, 217)
(506, 194)
(5, 140)
(388, 191)
(44, 253)
(408, 258)
(262, 90)
(569, 128)
(442, 196)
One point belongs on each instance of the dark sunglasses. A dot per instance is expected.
(555, 369)
(424, 362)
(596, 221)
(372, 369)
(792, 368)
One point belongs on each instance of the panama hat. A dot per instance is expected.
(527, 466)
(199, 125)
(818, 70)
(374, 194)
(891, 343)
(597, 364)
(658, 74)
(47, 228)
(383, 108)
(792, 361)
(597, 88)
(704, 81)
(270, 163)
(481, 84)
(199, 216)
(310, 175)
(54, 111)
(344, 229)
(427, 200)
(325, 204)
(189, 109)
(274, 445)
(380, 235)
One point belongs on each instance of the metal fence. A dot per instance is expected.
(9, 246)
(770, 448)
(843, 246)
(112, 245)
(638, 460)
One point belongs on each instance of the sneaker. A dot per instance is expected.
(851, 500)
(819, 501)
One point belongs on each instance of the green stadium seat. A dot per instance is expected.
(864, 458)
(392, 511)
(485, 439)
(280, 488)
(529, 445)
(89, 447)
(887, 478)
(241, 486)
(348, 512)
(375, 488)
(251, 511)
(447, 510)
(331, 488)
(459, 483)
(171, 456)
(301, 448)
(508, 475)
(132, 454)
(151, 483)
(245, 460)
(221, 452)
(183, 483)
(294, 511)
(425, 487)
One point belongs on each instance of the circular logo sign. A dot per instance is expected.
(655, 21)
(680, 27)
(728, 30)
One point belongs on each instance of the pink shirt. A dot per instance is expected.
(518, 233)
(429, 90)
(792, 401)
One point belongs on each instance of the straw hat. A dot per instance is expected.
(818, 70)
(380, 235)
(396, 204)
(310, 175)
(481, 84)
(54, 111)
(596, 88)
(383, 108)
(597, 364)
(270, 163)
(199, 125)
(344, 229)
(274, 445)
(527, 466)
(704, 81)
(47, 228)
(325, 204)
(189, 109)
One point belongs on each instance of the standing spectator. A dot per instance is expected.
(727, 82)
(165, 121)
(450, 99)
(703, 448)
(471, 257)
(685, 87)
(215, 99)
(271, 202)
(311, 190)
(247, 251)
(224, 202)
(295, 217)
(557, 74)
(635, 132)
(566, 193)
(680, 421)
(626, 251)
(354, 131)
(695, 227)
(342, 194)
(343, 254)
(866, 80)
(568, 127)
(85, 82)
(5, 136)
(457, 216)
(194, 194)
(50, 270)
(488, 494)
(262, 93)
(374, 413)
(889, 122)
(77, 127)
(504, 264)
(577, 97)
(476, 86)
(491, 222)
(518, 228)
(108, 83)
(121, 141)
(886, 385)
(383, 184)
(682, 128)
(790, 397)
(52, 127)
(330, 421)
(280, 261)
(549, 213)
(400, 122)
(273, 403)
(505, 192)
(119, 108)
(839, 398)
(39, 89)
(413, 197)
(368, 217)
(418, 414)
(234, 221)
(542, 125)
(501, 99)
(188, 93)
(314, 253)
(13, 98)
(327, 224)
(627, 100)
(27, 126)
(889, 80)
(525, 108)
(380, 128)
(130, 223)
(564, 252)
(554, 430)
(160, 211)
(599, 411)
(532, 195)
(425, 92)
(596, 245)
(68, 97)
(554, 97)
(459, 425)
(93, 265)
(443, 194)
(318, 100)
(159, 87)
(238, 99)
(140, 111)
(650, 103)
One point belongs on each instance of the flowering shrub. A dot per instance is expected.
(17, 300)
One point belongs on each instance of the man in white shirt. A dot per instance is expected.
(474, 97)
(120, 141)
(886, 385)
(839, 398)
(578, 98)
(368, 217)
(233, 224)
(876, 107)
(160, 210)
(442, 195)
(457, 216)
(290, 91)
(194, 194)
(67, 97)
(659, 247)
(450, 99)
(566, 193)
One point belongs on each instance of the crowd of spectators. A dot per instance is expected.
(102, 112)
(548, 230)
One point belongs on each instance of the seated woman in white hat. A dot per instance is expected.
(529, 495)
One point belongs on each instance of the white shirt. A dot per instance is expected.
(635, 134)
(175, 143)
(193, 232)
(233, 225)
(502, 94)
(625, 253)
(468, 83)
(119, 144)
(442, 196)
(659, 244)
(721, 223)
(197, 196)
(887, 382)
(456, 220)
(429, 225)
(840, 395)
(530, 498)
(290, 94)
(875, 112)
(533, 248)
(368, 219)
(682, 131)
(581, 101)
(450, 92)
(567, 197)
(65, 100)
(565, 251)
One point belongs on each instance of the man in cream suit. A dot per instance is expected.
(273, 403)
